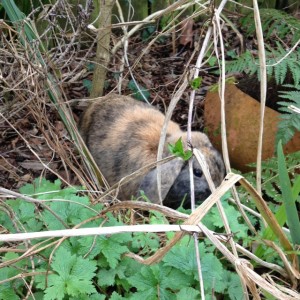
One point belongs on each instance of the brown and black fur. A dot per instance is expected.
(123, 135)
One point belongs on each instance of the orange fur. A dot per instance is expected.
(123, 136)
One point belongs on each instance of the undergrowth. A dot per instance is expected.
(270, 177)
(277, 26)
(290, 121)
(276, 68)
(95, 267)
(274, 23)
(282, 66)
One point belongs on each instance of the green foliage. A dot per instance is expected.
(249, 64)
(182, 256)
(287, 197)
(196, 83)
(278, 24)
(275, 23)
(139, 92)
(272, 191)
(277, 186)
(95, 267)
(177, 275)
(214, 221)
(158, 281)
(87, 84)
(7, 289)
(244, 63)
(148, 32)
(288, 66)
(290, 120)
(270, 178)
(179, 151)
(73, 276)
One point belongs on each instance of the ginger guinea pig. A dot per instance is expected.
(123, 135)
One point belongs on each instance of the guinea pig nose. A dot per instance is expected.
(198, 172)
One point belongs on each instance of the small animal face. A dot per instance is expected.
(123, 135)
(181, 187)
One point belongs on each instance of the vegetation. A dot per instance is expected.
(96, 267)
(282, 65)
(46, 57)
(290, 120)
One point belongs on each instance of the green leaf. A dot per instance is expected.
(140, 93)
(8, 289)
(71, 212)
(296, 188)
(40, 186)
(158, 218)
(196, 83)
(188, 293)
(56, 289)
(234, 289)
(90, 66)
(83, 245)
(18, 18)
(145, 242)
(289, 120)
(147, 32)
(157, 282)
(179, 151)
(234, 217)
(25, 212)
(107, 277)
(72, 276)
(87, 84)
(112, 248)
(182, 256)
(212, 61)
(126, 268)
(287, 197)
(116, 296)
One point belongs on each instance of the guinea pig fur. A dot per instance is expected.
(123, 135)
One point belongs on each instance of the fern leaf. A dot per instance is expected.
(294, 67)
(278, 24)
(274, 23)
(290, 121)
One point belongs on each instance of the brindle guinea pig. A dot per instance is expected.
(123, 135)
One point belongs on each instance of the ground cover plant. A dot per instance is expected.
(48, 183)
(96, 266)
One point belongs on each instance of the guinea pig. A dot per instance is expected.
(123, 134)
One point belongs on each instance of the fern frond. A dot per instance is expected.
(281, 69)
(250, 65)
(294, 67)
(245, 63)
(274, 23)
(290, 120)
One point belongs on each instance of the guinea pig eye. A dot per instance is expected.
(198, 172)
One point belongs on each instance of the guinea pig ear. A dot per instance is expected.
(169, 172)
